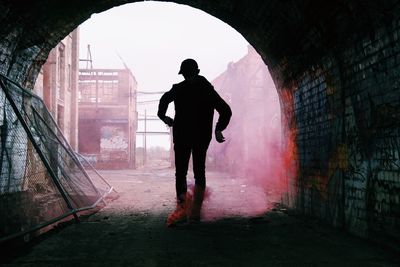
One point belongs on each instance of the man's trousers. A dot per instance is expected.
(182, 156)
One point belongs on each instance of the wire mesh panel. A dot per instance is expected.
(97, 179)
(73, 179)
(41, 177)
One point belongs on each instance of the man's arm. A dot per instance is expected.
(167, 98)
(225, 114)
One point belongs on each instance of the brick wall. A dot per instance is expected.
(344, 111)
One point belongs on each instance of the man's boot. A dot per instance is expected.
(181, 211)
(198, 196)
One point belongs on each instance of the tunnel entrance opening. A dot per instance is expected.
(246, 174)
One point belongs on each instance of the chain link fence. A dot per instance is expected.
(42, 180)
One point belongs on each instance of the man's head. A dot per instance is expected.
(189, 68)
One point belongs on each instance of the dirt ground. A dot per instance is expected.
(241, 227)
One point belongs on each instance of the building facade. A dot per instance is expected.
(108, 117)
(253, 135)
(57, 85)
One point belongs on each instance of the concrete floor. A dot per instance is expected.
(241, 228)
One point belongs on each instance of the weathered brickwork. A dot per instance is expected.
(347, 119)
(336, 66)
(372, 126)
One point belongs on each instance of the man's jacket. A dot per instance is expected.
(195, 101)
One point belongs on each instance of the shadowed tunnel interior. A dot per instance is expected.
(336, 68)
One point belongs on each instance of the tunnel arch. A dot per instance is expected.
(37, 27)
(335, 65)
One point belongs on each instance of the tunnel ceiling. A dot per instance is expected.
(283, 32)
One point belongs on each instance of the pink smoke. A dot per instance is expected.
(255, 152)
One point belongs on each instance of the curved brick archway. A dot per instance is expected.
(335, 64)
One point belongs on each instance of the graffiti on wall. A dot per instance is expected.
(113, 138)
(374, 140)
(114, 143)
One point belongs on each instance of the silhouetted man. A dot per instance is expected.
(195, 100)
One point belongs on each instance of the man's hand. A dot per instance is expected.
(219, 137)
(168, 121)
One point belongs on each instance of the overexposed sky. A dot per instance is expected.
(154, 37)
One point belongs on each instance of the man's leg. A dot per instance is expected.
(182, 156)
(199, 169)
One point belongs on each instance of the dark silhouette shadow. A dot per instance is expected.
(195, 101)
